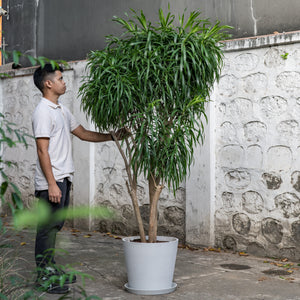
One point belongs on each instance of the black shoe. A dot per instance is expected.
(58, 274)
(55, 288)
(46, 284)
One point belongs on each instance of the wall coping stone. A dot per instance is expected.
(28, 71)
(229, 46)
(262, 41)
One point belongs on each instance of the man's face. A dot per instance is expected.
(58, 85)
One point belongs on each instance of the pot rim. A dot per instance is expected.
(160, 238)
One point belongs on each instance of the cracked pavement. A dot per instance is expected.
(200, 274)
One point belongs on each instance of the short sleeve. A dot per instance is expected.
(41, 123)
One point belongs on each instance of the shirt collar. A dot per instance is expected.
(51, 104)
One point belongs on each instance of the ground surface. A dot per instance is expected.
(200, 274)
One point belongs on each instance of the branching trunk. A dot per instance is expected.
(154, 192)
(132, 189)
(133, 195)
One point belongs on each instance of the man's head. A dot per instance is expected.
(41, 75)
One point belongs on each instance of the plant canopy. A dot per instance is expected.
(155, 80)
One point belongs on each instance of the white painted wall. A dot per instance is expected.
(243, 192)
(256, 147)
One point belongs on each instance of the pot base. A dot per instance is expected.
(151, 292)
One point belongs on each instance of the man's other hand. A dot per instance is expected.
(54, 193)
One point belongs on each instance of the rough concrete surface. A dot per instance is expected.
(243, 192)
(200, 274)
(257, 149)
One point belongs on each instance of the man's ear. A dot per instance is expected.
(48, 84)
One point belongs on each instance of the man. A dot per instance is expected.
(52, 124)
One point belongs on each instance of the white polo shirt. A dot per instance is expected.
(56, 123)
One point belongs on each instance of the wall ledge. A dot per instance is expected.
(261, 41)
(28, 71)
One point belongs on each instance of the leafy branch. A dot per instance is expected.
(15, 56)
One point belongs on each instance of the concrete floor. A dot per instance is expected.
(203, 274)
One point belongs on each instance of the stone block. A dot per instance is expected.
(241, 223)
(272, 230)
(252, 202)
(272, 181)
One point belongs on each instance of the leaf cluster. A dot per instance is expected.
(155, 80)
(40, 60)
(10, 136)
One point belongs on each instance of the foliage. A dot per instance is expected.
(155, 80)
(40, 60)
(40, 213)
(10, 136)
(285, 55)
(14, 285)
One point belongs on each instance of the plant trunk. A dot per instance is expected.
(133, 195)
(154, 192)
(132, 187)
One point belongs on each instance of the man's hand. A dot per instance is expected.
(122, 133)
(54, 193)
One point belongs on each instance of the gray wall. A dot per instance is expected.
(19, 26)
(69, 29)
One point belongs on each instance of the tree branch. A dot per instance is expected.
(127, 166)
(132, 189)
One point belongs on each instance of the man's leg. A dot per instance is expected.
(46, 233)
(45, 242)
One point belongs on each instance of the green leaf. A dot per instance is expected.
(16, 57)
(53, 64)
(42, 61)
(3, 187)
(32, 60)
(17, 201)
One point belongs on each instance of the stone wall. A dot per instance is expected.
(243, 192)
(257, 148)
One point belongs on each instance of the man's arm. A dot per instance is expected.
(92, 136)
(44, 158)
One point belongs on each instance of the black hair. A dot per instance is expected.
(41, 73)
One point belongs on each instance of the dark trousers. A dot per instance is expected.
(46, 232)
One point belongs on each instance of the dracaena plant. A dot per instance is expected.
(155, 80)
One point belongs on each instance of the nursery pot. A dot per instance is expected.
(150, 266)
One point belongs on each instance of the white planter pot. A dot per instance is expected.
(150, 266)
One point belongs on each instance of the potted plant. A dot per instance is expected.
(154, 80)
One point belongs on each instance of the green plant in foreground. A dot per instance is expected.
(40, 213)
(155, 80)
(10, 136)
(15, 285)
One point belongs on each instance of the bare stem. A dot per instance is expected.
(132, 190)
(137, 211)
(127, 166)
(154, 192)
